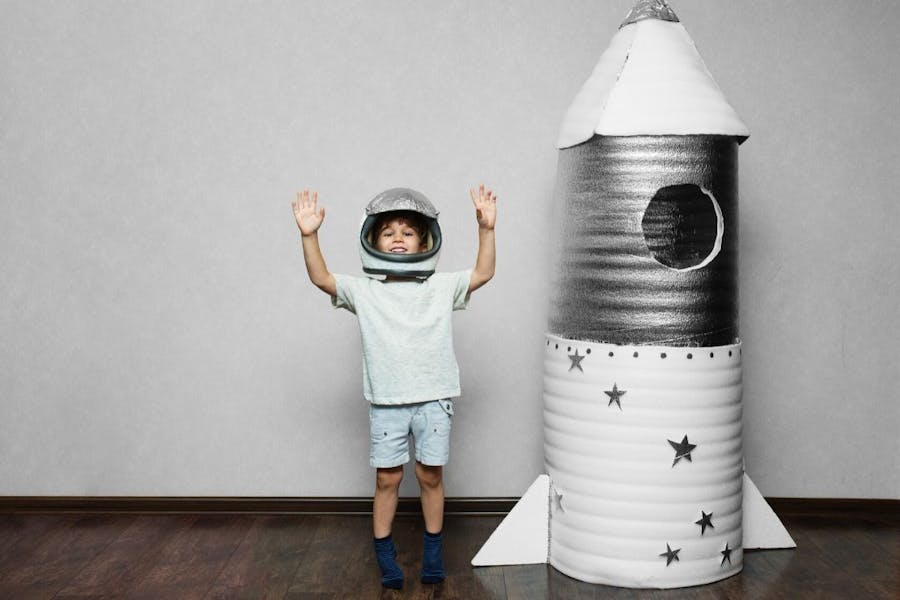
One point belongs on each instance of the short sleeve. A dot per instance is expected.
(460, 293)
(346, 292)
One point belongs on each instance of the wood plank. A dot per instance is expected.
(463, 537)
(47, 566)
(129, 558)
(316, 557)
(845, 544)
(856, 550)
(528, 581)
(339, 557)
(20, 534)
(188, 565)
(264, 564)
(884, 548)
(757, 571)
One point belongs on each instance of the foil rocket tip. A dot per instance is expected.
(650, 9)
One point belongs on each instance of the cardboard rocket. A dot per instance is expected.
(642, 364)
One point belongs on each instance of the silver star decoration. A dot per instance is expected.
(705, 522)
(671, 555)
(682, 450)
(614, 396)
(576, 361)
(557, 499)
(726, 554)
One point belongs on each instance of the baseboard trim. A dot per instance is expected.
(235, 505)
(785, 507)
(847, 508)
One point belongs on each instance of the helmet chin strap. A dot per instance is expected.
(389, 273)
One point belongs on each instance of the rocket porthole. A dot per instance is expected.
(683, 227)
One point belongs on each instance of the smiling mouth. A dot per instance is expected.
(398, 250)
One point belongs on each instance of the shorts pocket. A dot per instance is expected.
(447, 406)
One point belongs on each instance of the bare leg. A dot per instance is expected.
(384, 506)
(431, 486)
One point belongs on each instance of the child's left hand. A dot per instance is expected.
(485, 202)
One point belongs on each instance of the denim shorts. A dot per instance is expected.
(390, 427)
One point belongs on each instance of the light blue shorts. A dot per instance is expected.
(390, 427)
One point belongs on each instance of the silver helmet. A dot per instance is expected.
(422, 264)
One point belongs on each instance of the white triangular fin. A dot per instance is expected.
(523, 537)
(762, 527)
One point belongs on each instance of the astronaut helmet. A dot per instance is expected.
(401, 201)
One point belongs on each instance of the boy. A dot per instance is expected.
(410, 374)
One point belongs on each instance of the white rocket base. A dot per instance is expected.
(522, 537)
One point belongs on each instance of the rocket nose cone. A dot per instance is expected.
(651, 80)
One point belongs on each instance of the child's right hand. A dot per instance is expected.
(308, 217)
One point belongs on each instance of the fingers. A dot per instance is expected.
(482, 196)
(305, 201)
(309, 203)
(300, 201)
(477, 196)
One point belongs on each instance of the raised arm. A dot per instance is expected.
(486, 213)
(309, 218)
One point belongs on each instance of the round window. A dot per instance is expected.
(683, 227)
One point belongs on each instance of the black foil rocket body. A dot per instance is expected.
(642, 365)
(648, 241)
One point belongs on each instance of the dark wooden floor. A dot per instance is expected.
(317, 557)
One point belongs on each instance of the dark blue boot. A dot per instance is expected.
(385, 552)
(433, 559)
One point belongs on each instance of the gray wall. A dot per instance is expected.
(158, 335)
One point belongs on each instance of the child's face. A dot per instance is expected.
(396, 235)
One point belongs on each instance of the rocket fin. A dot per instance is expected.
(762, 527)
(523, 537)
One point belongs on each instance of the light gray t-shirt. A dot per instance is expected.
(407, 334)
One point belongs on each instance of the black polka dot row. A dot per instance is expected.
(662, 355)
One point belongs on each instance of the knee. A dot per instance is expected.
(389, 479)
(428, 476)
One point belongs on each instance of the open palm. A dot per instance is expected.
(485, 202)
(308, 215)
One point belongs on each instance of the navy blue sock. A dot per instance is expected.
(433, 559)
(386, 553)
